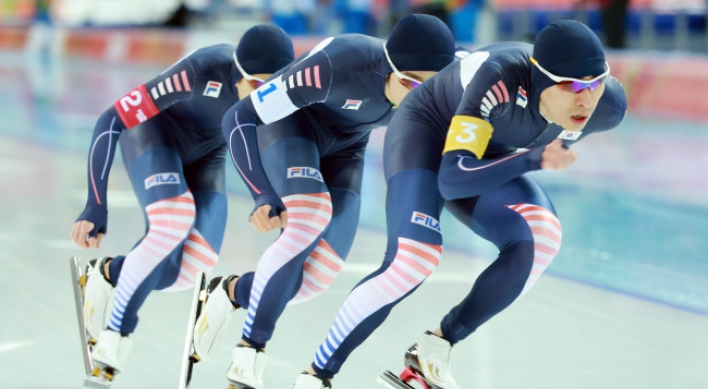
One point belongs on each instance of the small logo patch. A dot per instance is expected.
(570, 135)
(305, 172)
(161, 179)
(521, 98)
(425, 221)
(213, 89)
(352, 104)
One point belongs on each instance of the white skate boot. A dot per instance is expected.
(210, 327)
(98, 299)
(307, 381)
(247, 368)
(427, 363)
(109, 354)
(434, 361)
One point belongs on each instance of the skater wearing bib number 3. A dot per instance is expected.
(464, 140)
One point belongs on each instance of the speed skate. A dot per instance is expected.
(95, 376)
(189, 356)
(431, 354)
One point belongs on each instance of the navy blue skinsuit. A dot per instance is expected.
(486, 111)
(310, 123)
(170, 134)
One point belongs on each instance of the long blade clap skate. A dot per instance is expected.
(189, 356)
(431, 353)
(79, 284)
(392, 381)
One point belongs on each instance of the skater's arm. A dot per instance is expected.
(91, 225)
(462, 174)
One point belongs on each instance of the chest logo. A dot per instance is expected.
(213, 89)
(352, 104)
(521, 98)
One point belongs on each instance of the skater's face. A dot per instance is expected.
(247, 85)
(568, 109)
(570, 102)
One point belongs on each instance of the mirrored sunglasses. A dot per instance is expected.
(575, 85)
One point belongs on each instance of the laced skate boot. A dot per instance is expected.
(210, 327)
(247, 368)
(307, 381)
(109, 354)
(430, 358)
(98, 298)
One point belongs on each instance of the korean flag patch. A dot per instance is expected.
(570, 135)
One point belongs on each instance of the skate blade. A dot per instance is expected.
(79, 282)
(234, 385)
(392, 381)
(96, 383)
(189, 357)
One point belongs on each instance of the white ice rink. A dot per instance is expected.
(562, 335)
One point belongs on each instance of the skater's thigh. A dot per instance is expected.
(292, 164)
(496, 215)
(206, 180)
(343, 176)
(155, 166)
(413, 206)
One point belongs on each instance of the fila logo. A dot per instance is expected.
(162, 179)
(425, 221)
(212, 89)
(305, 172)
(352, 104)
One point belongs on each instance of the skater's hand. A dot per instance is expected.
(269, 213)
(81, 235)
(90, 227)
(556, 156)
(263, 222)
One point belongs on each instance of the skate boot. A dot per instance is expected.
(98, 298)
(247, 368)
(211, 324)
(109, 356)
(307, 381)
(427, 363)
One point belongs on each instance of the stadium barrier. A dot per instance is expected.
(665, 84)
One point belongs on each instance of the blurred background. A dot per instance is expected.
(637, 24)
(631, 280)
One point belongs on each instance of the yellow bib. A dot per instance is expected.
(468, 133)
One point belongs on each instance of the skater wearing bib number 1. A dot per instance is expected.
(298, 142)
